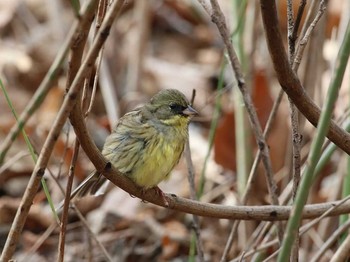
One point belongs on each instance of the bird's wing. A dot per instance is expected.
(129, 138)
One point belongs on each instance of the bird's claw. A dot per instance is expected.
(132, 196)
(159, 192)
(162, 195)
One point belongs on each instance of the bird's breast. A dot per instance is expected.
(163, 153)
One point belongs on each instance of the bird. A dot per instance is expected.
(146, 143)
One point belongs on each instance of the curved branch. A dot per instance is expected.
(293, 88)
(288, 79)
(268, 213)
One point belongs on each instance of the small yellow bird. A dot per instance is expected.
(147, 142)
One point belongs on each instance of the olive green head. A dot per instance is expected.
(171, 107)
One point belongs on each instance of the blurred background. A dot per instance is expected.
(155, 45)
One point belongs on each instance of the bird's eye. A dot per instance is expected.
(173, 106)
(176, 108)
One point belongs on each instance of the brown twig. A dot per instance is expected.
(330, 241)
(139, 35)
(305, 39)
(67, 106)
(262, 247)
(264, 234)
(91, 234)
(294, 61)
(290, 82)
(43, 237)
(64, 217)
(294, 35)
(342, 253)
(290, 26)
(296, 142)
(269, 213)
(191, 173)
(46, 83)
(77, 51)
(75, 63)
(293, 30)
(89, 97)
(257, 159)
(296, 137)
(196, 227)
(103, 77)
(303, 230)
(219, 19)
(229, 241)
(309, 15)
(253, 173)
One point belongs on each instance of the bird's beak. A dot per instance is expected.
(190, 111)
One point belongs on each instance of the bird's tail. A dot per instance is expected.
(91, 185)
(94, 184)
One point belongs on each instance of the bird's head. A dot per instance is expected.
(171, 107)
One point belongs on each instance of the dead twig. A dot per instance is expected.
(196, 227)
(219, 20)
(67, 106)
(290, 82)
(64, 217)
(46, 84)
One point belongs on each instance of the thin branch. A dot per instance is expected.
(67, 106)
(191, 173)
(330, 241)
(266, 132)
(196, 226)
(303, 230)
(300, 13)
(139, 35)
(75, 63)
(290, 82)
(91, 234)
(316, 146)
(252, 174)
(269, 213)
(296, 141)
(296, 137)
(229, 241)
(309, 18)
(290, 26)
(43, 237)
(73, 36)
(342, 253)
(64, 217)
(305, 39)
(205, 5)
(219, 19)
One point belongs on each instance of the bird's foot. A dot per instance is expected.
(162, 195)
(159, 192)
(143, 191)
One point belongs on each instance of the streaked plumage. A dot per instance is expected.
(147, 142)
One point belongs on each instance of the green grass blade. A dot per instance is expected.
(31, 151)
(316, 146)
